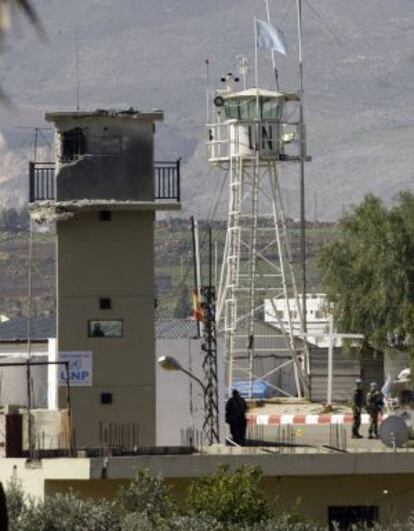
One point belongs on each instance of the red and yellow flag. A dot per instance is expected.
(197, 314)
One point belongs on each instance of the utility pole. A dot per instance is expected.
(209, 347)
(196, 292)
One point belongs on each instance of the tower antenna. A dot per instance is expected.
(244, 68)
(77, 70)
(302, 157)
(207, 63)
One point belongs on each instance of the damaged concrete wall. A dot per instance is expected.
(112, 159)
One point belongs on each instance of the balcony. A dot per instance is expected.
(42, 184)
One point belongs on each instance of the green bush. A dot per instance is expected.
(285, 522)
(230, 497)
(148, 496)
(141, 522)
(66, 512)
(15, 503)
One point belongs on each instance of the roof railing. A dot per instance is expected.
(42, 181)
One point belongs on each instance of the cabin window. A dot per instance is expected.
(246, 108)
(74, 144)
(269, 108)
(105, 328)
(232, 109)
(290, 112)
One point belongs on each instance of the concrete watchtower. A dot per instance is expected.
(103, 191)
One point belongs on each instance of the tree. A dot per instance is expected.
(368, 272)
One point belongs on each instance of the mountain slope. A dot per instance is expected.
(359, 81)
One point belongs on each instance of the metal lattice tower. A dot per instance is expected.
(254, 131)
(209, 346)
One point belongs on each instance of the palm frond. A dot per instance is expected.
(23, 6)
(6, 9)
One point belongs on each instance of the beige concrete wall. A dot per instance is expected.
(313, 495)
(109, 259)
(317, 494)
(118, 163)
(32, 474)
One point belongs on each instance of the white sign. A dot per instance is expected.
(80, 369)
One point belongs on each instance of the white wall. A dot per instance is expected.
(176, 392)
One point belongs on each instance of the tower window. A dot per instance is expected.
(105, 215)
(73, 144)
(105, 328)
(105, 304)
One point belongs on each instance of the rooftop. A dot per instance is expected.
(254, 92)
(127, 114)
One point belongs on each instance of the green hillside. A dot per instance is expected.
(174, 264)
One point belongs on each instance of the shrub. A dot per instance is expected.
(285, 522)
(63, 512)
(229, 498)
(148, 496)
(15, 503)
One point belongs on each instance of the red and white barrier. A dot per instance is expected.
(327, 418)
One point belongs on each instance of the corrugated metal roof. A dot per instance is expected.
(43, 328)
(175, 328)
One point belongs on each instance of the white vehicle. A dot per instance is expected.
(399, 402)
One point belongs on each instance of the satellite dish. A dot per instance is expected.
(394, 432)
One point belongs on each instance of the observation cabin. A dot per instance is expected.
(105, 156)
(254, 123)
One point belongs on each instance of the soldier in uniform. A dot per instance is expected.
(375, 404)
(357, 405)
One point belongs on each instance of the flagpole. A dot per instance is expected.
(256, 67)
(256, 73)
(302, 170)
(272, 52)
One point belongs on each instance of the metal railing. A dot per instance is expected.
(42, 186)
(167, 180)
(41, 181)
